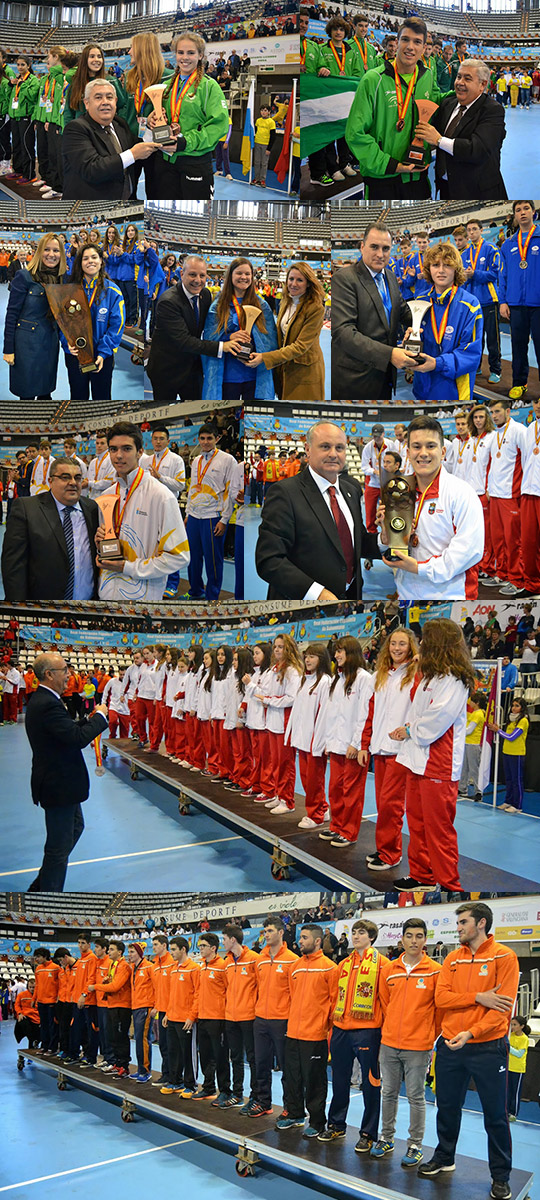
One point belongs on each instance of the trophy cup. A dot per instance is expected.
(71, 311)
(251, 315)
(161, 132)
(109, 548)
(415, 154)
(399, 501)
(414, 344)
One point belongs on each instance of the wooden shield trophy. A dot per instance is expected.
(71, 311)
(161, 132)
(399, 502)
(110, 547)
(415, 155)
(251, 315)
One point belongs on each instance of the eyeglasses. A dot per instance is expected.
(67, 478)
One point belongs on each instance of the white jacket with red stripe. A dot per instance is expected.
(388, 709)
(437, 722)
(505, 472)
(309, 702)
(343, 715)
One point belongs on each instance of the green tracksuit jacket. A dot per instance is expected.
(371, 132)
(357, 65)
(204, 118)
(311, 51)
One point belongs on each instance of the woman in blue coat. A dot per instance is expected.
(108, 319)
(150, 280)
(31, 339)
(233, 380)
(126, 273)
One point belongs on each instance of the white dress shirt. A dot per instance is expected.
(323, 485)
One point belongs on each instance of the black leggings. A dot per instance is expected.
(24, 154)
(189, 178)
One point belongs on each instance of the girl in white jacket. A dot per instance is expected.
(159, 670)
(280, 687)
(178, 713)
(220, 759)
(171, 681)
(256, 720)
(345, 715)
(196, 753)
(310, 702)
(204, 707)
(234, 727)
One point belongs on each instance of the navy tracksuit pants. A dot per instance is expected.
(524, 323)
(205, 547)
(345, 1046)
(487, 1064)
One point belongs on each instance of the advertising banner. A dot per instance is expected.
(515, 919)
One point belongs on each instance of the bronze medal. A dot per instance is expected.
(474, 457)
(498, 454)
(400, 124)
(413, 540)
(536, 450)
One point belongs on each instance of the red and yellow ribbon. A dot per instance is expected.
(523, 248)
(363, 52)
(119, 516)
(439, 331)
(201, 473)
(177, 95)
(473, 261)
(340, 60)
(416, 517)
(403, 105)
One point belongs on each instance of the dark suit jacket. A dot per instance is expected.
(298, 541)
(474, 169)
(35, 564)
(176, 348)
(92, 170)
(59, 774)
(362, 339)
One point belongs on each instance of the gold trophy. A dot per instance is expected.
(71, 311)
(109, 548)
(161, 132)
(399, 503)
(251, 315)
(415, 153)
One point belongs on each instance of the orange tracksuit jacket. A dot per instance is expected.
(24, 1006)
(183, 998)
(212, 989)
(64, 984)
(274, 991)
(411, 1021)
(142, 985)
(241, 975)
(462, 976)
(47, 981)
(373, 1022)
(314, 980)
(118, 991)
(84, 972)
(162, 969)
(103, 966)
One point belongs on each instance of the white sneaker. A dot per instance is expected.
(281, 808)
(273, 803)
(307, 823)
(218, 172)
(348, 170)
(183, 762)
(510, 589)
(338, 176)
(48, 194)
(228, 177)
(37, 183)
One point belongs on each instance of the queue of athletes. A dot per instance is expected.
(92, 133)
(244, 718)
(388, 1015)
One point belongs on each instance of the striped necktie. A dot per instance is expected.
(70, 547)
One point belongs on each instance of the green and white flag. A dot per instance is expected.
(325, 101)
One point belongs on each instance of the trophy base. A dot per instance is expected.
(110, 550)
(244, 352)
(88, 367)
(415, 159)
(162, 134)
(389, 553)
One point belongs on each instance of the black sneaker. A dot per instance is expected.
(429, 1170)
(375, 863)
(364, 1144)
(324, 181)
(327, 835)
(500, 1190)
(412, 885)
(332, 1134)
(339, 840)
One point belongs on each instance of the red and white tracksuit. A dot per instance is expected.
(11, 682)
(130, 681)
(433, 756)
(220, 761)
(178, 717)
(279, 693)
(259, 781)
(196, 753)
(530, 509)
(172, 676)
(477, 461)
(238, 744)
(504, 491)
(371, 466)
(310, 703)
(204, 724)
(389, 707)
(344, 718)
(113, 696)
(145, 699)
(158, 724)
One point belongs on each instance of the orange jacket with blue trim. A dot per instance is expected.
(411, 1021)
(242, 988)
(314, 982)
(142, 985)
(183, 992)
(212, 990)
(463, 975)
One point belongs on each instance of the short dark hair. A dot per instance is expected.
(42, 952)
(475, 221)
(160, 429)
(126, 429)
(160, 937)
(276, 922)
(395, 455)
(369, 927)
(478, 910)
(415, 923)
(102, 941)
(380, 225)
(211, 938)
(316, 930)
(101, 433)
(61, 952)
(180, 942)
(425, 422)
(416, 24)
(516, 202)
(208, 427)
(120, 945)
(234, 931)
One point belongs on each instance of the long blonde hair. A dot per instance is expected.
(313, 296)
(384, 663)
(149, 62)
(36, 262)
(291, 656)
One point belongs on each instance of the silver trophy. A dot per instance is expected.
(414, 344)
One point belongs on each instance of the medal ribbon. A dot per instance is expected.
(477, 443)
(238, 310)
(363, 53)
(156, 468)
(439, 332)
(473, 261)
(461, 448)
(118, 517)
(416, 517)
(303, 51)
(201, 474)
(523, 249)
(100, 463)
(403, 105)
(341, 64)
(177, 96)
(91, 288)
(20, 80)
(138, 98)
(499, 444)
(536, 434)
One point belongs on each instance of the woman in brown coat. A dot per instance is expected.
(298, 363)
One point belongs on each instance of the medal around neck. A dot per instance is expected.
(110, 549)
(415, 153)
(161, 132)
(70, 308)
(251, 315)
(399, 501)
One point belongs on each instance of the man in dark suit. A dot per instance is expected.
(59, 780)
(312, 536)
(99, 150)
(49, 551)
(468, 131)
(174, 366)
(367, 312)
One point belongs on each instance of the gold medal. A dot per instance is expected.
(523, 264)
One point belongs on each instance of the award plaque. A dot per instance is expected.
(110, 548)
(251, 315)
(399, 503)
(161, 132)
(71, 311)
(415, 153)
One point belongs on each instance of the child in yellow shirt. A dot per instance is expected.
(517, 1063)
(514, 742)
(265, 132)
(476, 719)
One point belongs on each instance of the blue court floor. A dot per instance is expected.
(127, 383)
(99, 1155)
(136, 840)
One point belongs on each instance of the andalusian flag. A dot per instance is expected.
(324, 107)
(249, 132)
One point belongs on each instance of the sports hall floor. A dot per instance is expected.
(135, 834)
(98, 1154)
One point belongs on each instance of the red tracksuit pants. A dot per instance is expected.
(433, 848)
(371, 499)
(487, 565)
(118, 721)
(313, 775)
(390, 779)
(10, 706)
(505, 523)
(158, 725)
(283, 767)
(144, 711)
(196, 748)
(346, 795)
(257, 741)
(240, 744)
(530, 542)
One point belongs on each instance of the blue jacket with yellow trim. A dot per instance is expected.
(151, 277)
(483, 284)
(460, 354)
(126, 266)
(108, 320)
(415, 287)
(515, 285)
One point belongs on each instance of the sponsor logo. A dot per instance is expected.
(421, 984)
(102, 312)
(483, 969)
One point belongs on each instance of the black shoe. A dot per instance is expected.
(478, 797)
(412, 885)
(364, 1144)
(327, 835)
(500, 1190)
(434, 1167)
(332, 1134)
(375, 863)
(339, 840)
